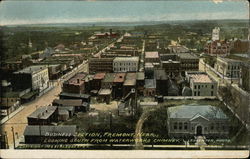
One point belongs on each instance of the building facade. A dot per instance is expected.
(35, 77)
(100, 65)
(201, 84)
(197, 120)
(125, 64)
(228, 67)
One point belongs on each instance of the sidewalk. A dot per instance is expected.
(11, 115)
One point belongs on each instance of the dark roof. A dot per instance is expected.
(74, 95)
(46, 130)
(43, 112)
(68, 102)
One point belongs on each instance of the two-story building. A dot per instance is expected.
(201, 84)
(35, 77)
(125, 64)
(228, 67)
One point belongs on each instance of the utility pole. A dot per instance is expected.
(6, 140)
(14, 141)
(110, 124)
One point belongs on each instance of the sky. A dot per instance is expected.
(42, 12)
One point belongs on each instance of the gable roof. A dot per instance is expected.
(198, 116)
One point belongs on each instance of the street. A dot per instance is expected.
(19, 121)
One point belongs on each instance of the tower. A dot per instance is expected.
(216, 34)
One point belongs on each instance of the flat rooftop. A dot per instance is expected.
(130, 79)
(43, 112)
(68, 102)
(78, 79)
(134, 58)
(200, 77)
(32, 69)
(187, 56)
(119, 77)
(99, 76)
(151, 54)
(104, 92)
(150, 83)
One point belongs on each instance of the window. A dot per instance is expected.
(212, 86)
(180, 125)
(212, 126)
(194, 93)
(199, 87)
(212, 93)
(194, 86)
(185, 125)
(198, 93)
(175, 125)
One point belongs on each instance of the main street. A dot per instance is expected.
(98, 54)
(19, 121)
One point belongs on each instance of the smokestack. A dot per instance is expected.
(110, 31)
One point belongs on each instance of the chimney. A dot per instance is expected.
(78, 80)
(110, 31)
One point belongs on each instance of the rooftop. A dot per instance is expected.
(134, 58)
(191, 111)
(74, 95)
(109, 77)
(130, 79)
(78, 79)
(104, 92)
(228, 59)
(151, 54)
(200, 77)
(119, 77)
(68, 102)
(60, 130)
(150, 83)
(32, 69)
(99, 76)
(43, 112)
(140, 75)
(160, 74)
(187, 56)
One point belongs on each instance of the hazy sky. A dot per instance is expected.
(35, 12)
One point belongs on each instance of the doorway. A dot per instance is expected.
(199, 130)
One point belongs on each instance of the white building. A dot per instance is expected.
(201, 84)
(37, 77)
(125, 64)
(228, 67)
(216, 34)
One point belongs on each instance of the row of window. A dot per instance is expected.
(198, 93)
(180, 125)
(233, 67)
(201, 86)
(125, 64)
(184, 126)
(125, 69)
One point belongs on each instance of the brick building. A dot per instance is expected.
(100, 65)
(75, 84)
